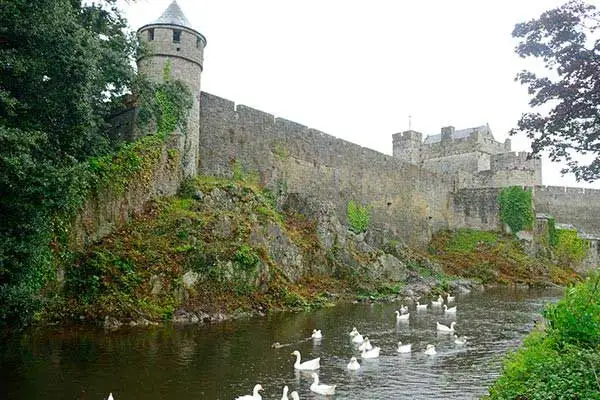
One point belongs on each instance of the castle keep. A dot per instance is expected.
(472, 155)
(444, 181)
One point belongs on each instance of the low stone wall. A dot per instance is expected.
(577, 206)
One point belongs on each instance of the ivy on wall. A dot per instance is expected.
(516, 208)
(358, 217)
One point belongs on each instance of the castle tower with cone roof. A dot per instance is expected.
(171, 40)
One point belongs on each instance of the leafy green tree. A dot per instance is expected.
(567, 95)
(63, 65)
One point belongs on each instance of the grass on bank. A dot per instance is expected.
(492, 257)
(563, 360)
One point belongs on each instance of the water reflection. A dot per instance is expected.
(227, 360)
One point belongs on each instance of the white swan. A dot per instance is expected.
(404, 348)
(438, 302)
(402, 317)
(253, 396)
(316, 334)
(460, 340)
(373, 353)
(294, 395)
(366, 345)
(284, 396)
(353, 364)
(353, 332)
(321, 388)
(306, 365)
(358, 338)
(451, 310)
(444, 328)
(403, 309)
(450, 298)
(110, 397)
(421, 306)
(430, 350)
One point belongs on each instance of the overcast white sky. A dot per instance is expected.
(356, 69)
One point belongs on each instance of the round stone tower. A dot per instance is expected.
(170, 40)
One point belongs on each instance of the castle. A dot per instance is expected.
(472, 155)
(446, 181)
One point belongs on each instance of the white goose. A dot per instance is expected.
(353, 364)
(460, 340)
(451, 310)
(358, 338)
(421, 306)
(321, 388)
(306, 365)
(285, 392)
(444, 328)
(316, 334)
(438, 302)
(430, 350)
(366, 345)
(404, 348)
(253, 396)
(373, 353)
(294, 395)
(402, 317)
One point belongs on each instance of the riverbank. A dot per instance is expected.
(225, 249)
(560, 359)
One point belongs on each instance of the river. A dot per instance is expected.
(226, 360)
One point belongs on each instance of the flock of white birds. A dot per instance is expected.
(366, 349)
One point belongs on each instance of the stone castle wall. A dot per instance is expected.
(407, 200)
(577, 206)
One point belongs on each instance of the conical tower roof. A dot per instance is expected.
(173, 16)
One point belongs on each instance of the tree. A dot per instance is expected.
(62, 65)
(568, 125)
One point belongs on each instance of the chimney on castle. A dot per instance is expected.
(447, 134)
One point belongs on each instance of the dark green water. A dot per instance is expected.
(226, 360)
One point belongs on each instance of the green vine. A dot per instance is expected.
(516, 208)
(358, 217)
(552, 233)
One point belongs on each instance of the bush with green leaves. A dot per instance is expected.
(246, 257)
(516, 208)
(562, 362)
(359, 217)
(569, 248)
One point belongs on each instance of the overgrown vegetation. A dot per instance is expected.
(494, 258)
(569, 248)
(562, 361)
(359, 217)
(211, 229)
(56, 148)
(516, 208)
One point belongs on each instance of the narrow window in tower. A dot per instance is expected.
(176, 36)
(151, 34)
(198, 43)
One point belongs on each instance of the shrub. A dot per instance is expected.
(570, 248)
(358, 217)
(564, 361)
(246, 257)
(466, 240)
(516, 210)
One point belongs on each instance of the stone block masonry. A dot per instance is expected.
(406, 200)
(577, 206)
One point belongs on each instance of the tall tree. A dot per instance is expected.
(566, 95)
(62, 63)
